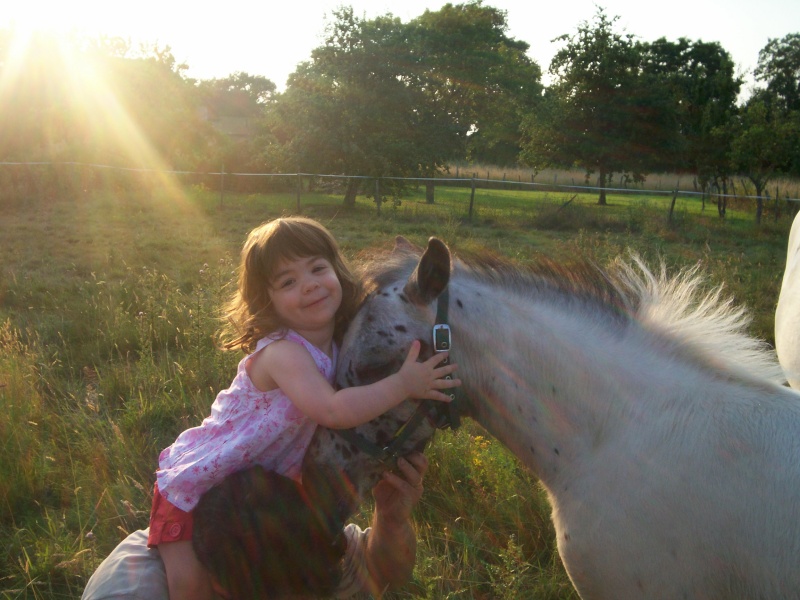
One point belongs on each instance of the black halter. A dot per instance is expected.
(440, 415)
(447, 413)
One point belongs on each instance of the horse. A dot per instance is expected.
(787, 313)
(669, 449)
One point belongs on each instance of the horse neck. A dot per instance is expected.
(543, 377)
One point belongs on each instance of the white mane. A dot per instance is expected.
(706, 321)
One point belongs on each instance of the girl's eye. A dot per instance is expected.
(285, 283)
(320, 268)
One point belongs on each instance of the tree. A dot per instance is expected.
(479, 76)
(779, 67)
(383, 98)
(236, 104)
(701, 78)
(604, 113)
(237, 95)
(351, 109)
(762, 141)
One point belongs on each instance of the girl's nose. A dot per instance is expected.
(310, 284)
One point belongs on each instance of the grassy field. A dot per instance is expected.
(108, 309)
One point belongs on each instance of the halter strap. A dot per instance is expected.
(442, 306)
(448, 414)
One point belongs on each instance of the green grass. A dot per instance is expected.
(108, 310)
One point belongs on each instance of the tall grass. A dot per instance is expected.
(108, 312)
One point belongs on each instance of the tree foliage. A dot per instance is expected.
(704, 88)
(352, 110)
(237, 95)
(381, 97)
(763, 140)
(604, 112)
(477, 75)
(779, 67)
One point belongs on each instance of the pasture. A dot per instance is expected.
(107, 319)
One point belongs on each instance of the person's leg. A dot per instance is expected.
(171, 532)
(186, 577)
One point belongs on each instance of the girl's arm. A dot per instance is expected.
(291, 368)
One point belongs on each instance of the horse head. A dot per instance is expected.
(399, 308)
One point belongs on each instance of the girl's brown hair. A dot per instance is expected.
(250, 315)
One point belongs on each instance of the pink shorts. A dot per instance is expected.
(168, 523)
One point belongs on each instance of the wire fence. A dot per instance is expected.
(47, 178)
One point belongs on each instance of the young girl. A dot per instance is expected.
(295, 297)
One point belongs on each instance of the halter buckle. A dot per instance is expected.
(441, 338)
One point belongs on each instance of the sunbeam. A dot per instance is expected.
(81, 105)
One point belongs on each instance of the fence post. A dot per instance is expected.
(378, 194)
(221, 184)
(471, 198)
(777, 199)
(672, 205)
(299, 189)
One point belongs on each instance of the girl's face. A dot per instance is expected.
(306, 293)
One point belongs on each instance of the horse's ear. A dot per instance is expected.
(402, 244)
(431, 275)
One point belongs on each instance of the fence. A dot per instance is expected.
(26, 178)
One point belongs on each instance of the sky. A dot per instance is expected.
(270, 38)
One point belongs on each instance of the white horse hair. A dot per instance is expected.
(787, 314)
(659, 428)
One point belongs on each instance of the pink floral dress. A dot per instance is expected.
(246, 427)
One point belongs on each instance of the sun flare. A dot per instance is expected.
(49, 65)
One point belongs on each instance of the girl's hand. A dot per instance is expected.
(423, 380)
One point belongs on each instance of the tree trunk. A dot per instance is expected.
(759, 202)
(350, 192)
(601, 182)
(722, 200)
(429, 187)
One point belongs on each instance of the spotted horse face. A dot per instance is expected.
(399, 311)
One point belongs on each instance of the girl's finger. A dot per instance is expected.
(446, 370)
(438, 357)
(444, 384)
(413, 352)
